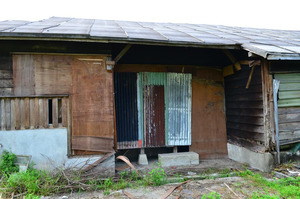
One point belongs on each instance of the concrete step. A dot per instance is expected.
(178, 159)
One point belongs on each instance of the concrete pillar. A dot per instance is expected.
(175, 149)
(142, 158)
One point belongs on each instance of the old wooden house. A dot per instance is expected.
(76, 87)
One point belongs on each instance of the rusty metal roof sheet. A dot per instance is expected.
(270, 44)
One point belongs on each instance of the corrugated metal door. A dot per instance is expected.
(126, 110)
(154, 116)
(179, 109)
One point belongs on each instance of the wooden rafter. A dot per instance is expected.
(122, 53)
(236, 64)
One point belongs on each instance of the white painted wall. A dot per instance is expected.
(48, 147)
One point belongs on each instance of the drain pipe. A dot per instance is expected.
(275, 92)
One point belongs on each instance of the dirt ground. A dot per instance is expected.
(192, 189)
(195, 188)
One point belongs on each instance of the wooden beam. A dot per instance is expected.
(122, 53)
(250, 77)
(252, 64)
(228, 70)
(236, 64)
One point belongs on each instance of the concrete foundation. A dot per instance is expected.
(48, 149)
(178, 159)
(143, 159)
(261, 161)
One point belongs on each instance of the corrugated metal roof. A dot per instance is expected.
(270, 44)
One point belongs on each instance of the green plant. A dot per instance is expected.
(157, 176)
(31, 196)
(245, 173)
(8, 163)
(211, 195)
(32, 182)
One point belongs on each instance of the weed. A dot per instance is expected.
(225, 173)
(244, 173)
(157, 176)
(211, 195)
(31, 196)
(7, 163)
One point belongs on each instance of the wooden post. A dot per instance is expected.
(55, 112)
(267, 88)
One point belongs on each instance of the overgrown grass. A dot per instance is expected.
(274, 188)
(7, 163)
(211, 195)
(34, 183)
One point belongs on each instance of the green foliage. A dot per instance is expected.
(33, 182)
(211, 195)
(245, 173)
(157, 176)
(285, 187)
(31, 196)
(7, 163)
(225, 173)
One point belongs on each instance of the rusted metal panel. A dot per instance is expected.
(126, 110)
(179, 109)
(154, 116)
(148, 79)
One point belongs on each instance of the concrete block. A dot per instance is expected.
(261, 161)
(143, 159)
(178, 159)
(106, 168)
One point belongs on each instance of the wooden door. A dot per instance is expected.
(92, 107)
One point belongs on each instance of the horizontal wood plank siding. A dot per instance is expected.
(6, 82)
(244, 107)
(289, 107)
(6, 75)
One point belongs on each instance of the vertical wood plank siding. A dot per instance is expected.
(244, 107)
(289, 107)
(126, 110)
(83, 78)
(26, 113)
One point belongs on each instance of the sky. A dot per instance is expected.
(271, 14)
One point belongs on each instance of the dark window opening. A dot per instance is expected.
(59, 117)
(50, 112)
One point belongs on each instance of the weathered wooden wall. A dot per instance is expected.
(92, 105)
(17, 113)
(86, 81)
(244, 108)
(208, 116)
(6, 75)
